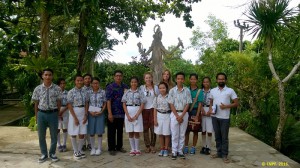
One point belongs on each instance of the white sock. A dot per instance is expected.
(136, 142)
(58, 139)
(80, 144)
(65, 135)
(92, 140)
(208, 141)
(74, 144)
(99, 143)
(204, 140)
(131, 141)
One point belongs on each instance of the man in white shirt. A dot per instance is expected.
(222, 99)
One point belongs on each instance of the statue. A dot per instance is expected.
(155, 63)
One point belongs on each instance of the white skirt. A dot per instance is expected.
(137, 125)
(163, 127)
(63, 123)
(81, 129)
(207, 122)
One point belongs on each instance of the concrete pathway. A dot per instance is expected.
(19, 148)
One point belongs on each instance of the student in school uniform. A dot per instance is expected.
(162, 118)
(222, 99)
(150, 91)
(194, 115)
(46, 98)
(179, 99)
(207, 126)
(96, 123)
(63, 117)
(167, 78)
(87, 79)
(133, 104)
(77, 105)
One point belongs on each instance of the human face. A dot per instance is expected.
(133, 84)
(221, 81)
(148, 79)
(166, 76)
(62, 85)
(118, 78)
(87, 80)
(162, 89)
(47, 76)
(179, 80)
(206, 83)
(95, 85)
(193, 80)
(79, 82)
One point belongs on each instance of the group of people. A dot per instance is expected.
(170, 111)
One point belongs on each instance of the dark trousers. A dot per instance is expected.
(113, 128)
(221, 128)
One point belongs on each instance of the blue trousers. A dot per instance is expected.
(45, 120)
(221, 128)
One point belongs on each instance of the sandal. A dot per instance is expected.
(153, 149)
(147, 150)
(226, 160)
(215, 156)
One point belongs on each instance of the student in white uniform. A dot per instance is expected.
(207, 126)
(133, 104)
(179, 99)
(162, 118)
(87, 79)
(77, 105)
(97, 105)
(63, 117)
(150, 91)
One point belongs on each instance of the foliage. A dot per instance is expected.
(32, 124)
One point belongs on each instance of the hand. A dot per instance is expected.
(76, 121)
(110, 117)
(222, 106)
(129, 118)
(196, 118)
(60, 118)
(155, 123)
(84, 119)
(98, 113)
(60, 113)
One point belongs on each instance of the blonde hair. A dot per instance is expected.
(170, 82)
(152, 83)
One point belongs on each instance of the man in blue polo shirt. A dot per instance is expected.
(46, 98)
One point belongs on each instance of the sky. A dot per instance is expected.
(172, 28)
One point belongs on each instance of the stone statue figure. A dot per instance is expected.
(155, 63)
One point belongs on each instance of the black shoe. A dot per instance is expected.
(53, 158)
(43, 158)
(89, 147)
(112, 153)
(203, 150)
(181, 156)
(122, 150)
(207, 151)
(83, 147)
(174, 156)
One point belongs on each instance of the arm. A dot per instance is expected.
(235, 103)
(126, 112)
(103, 108)
(73, 114)
(185, 110)
(210, 107)
(136, 116)
(110, 116)
(155, 117)
(198, 112)
(86, 109)
(36, 103)
(173, 109)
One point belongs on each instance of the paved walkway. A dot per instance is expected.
(19, 148)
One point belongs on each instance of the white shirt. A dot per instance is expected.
(179, 98)
(149, 95)
(225, 96)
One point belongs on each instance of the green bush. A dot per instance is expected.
(32, 124)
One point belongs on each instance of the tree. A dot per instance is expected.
(270, 19)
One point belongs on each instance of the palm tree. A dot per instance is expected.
(269, 18)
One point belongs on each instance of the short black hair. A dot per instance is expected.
(87, 75)
(47, 69)
(78, 75)
(206, 77)
(180, 73)
(194, 74)
(136, 78)
(96, 78)
(166, 85)
(118, 71)
(221, 73)
(60, 80)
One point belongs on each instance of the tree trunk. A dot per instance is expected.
(283, 116)
(82, 41)
(45, 31)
